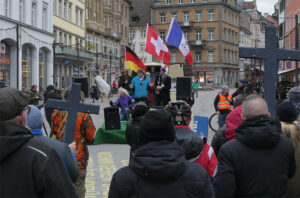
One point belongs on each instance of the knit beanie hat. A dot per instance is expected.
(139, 109)
(287, 112)
(294, 93)
(224, 87)
(12, 103)
(157, 125)
(34, 117)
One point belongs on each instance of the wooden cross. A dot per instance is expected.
(73, 106)
(271, 54)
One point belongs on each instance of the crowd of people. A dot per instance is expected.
(251, 155)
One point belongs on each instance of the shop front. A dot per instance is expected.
(5, 63)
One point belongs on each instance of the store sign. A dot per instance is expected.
(2, 48)
(4, 60)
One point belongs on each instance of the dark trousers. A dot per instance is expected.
(162, 100)
(136, 100)
(222, 119)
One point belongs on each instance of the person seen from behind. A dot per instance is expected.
(162, 85)
(195, 87)
(287, 115)
(28, 167)
(197, 150)
(158, 168)
(84, 135)
(259, 161)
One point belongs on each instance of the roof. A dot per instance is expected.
(140, 14)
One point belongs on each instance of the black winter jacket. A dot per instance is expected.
(132, 133)
(190, 142)
(218, 140)
(29, 167)
(257, 163)
(159, 169)
(122, 82)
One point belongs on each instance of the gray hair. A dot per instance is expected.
(253, 106)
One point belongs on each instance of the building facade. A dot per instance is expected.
(140, 16)
(211, 28)
(107, 26)
(26, 37)
(71, 58)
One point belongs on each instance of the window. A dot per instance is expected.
(60, 8)
(180, 1)
(106, 2)
(143, 33)
(198, 56)
(192, 1)
(168, 2)
(225, 34)
(81, 44)
(204, 1)
(33, 14)
(235, 37)
(142, 47)
(173, 57)
(54, 6)
(70, 12)
(133, 47)
(60, 37)
(211, 15)
(162, 17)
(55, 36)
(198, 34)
(224, 56)
(174, 15)
(117, 5)
(81, 18)
(65, 39)
(198, 16)
(186, 36)
(70, 40)
(95, 16)
(7, 8)
(211, 34)
(162, 35)
(210, 56)
(131, 34)
(105, 21)
(21, 11)
(186, 17)
(76, 13)
(44, 19)
(65, 10)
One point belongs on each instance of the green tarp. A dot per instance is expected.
(104, 136)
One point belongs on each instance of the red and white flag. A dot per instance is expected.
(156, 46)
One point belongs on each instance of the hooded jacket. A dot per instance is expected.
(257, 163)
(29, 167)
(159, 169)
(233, 121)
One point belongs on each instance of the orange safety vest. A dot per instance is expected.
(224, 103)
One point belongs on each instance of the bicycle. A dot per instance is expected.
(214, 122)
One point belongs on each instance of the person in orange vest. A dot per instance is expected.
(223, 104)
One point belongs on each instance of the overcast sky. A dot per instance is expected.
(266, 6)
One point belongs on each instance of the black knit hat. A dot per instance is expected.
(157, 125)
(287, 112)
(139, 109)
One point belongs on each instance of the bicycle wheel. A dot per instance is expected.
(214, 122)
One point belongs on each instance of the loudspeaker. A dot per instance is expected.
(112, 118)
(84, 85)
(183, 88)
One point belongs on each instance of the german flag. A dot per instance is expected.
(132, 61)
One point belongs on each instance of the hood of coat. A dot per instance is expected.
(12, 137)
(160, 161)
(259, 132)
(233, 121)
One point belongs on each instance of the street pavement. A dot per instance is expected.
(106, 159)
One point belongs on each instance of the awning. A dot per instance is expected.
(285, 71)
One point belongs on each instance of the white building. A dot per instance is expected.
(26, 36)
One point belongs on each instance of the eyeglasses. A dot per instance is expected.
(27, 109)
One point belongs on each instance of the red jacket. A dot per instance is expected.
(151, 92)
(233, 121)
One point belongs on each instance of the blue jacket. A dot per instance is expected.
(140, 87)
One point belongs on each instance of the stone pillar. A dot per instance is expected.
(50, 68)
(13, 66)
(35, 67)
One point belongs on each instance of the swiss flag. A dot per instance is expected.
(156, 47)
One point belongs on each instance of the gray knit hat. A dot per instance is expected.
(12, 103)
(224, 87)
(294, 93)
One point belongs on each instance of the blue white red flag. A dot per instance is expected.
(176, 38)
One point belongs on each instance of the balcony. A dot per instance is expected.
(186, 24)
(92, 26)
(71, 53)
(197, 43)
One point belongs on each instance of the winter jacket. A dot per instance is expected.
(125, 102)
(196, 150)
(51, 94)
(257, 163)
(240, 90)
(63, 151)
(151, 92)
(34, 97)
(159, 169)
(195, 86)
(140, 87)
(132, 133)
(233, 120)
(122, 82)
(29, 167)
